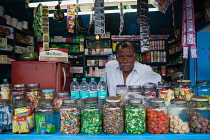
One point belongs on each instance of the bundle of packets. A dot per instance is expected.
(42, 127)
(22, 120)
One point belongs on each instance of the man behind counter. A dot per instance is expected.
(126, 70)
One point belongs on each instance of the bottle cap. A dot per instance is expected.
(102, 78)
(92, 78)
(74, 78)
(48, 90)
(5, 80)
(83, 78)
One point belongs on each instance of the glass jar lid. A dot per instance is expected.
(33, 85)
(113, 99)
(178, 101)
(69, 101)
(135, 101)
(63, 93)
(199, 99)
(46, 101)
(149, 85)
(19, 85)
(136, 88)
(157, 100)
(91, 100)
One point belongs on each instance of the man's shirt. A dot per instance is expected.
(139, 75)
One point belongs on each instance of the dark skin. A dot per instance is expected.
(126, 58)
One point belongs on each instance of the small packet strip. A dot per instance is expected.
(121, 19)
(99, 17)
(37, 23)
(70, 20)
(45, 27)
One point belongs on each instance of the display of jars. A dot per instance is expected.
(135, 114)
(23, 116)
(178, 116)
(69, 117)
(113, 116)
(47, 120)
(5, 116)
(199, 115)
(157, 118)
(183, 90)
(202, 88)
(91, 117)
(47, 94)
(59, 99)
(34, 93)
(19, 92)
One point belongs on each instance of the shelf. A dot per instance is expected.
(75, 52)
(154, 63)
(96, 55)
(174, 64)
(123, 136)
(176, 53)
(175, 42)
(126, 40)
(61, 42)
(95, 66)
(23, 44)
(77, 65)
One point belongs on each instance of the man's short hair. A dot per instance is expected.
(125, 44)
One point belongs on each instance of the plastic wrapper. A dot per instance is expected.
(162, 5)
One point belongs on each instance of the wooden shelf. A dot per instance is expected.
(174, 64)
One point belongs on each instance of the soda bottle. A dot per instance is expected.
(92, 88)
(5, 89)
(74, 87)
(102, 91)
(83, 91)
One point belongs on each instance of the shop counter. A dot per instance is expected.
(102, 136)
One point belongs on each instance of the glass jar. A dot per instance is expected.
(113, 116)
(4, 91)
(23, 117)
(34, 93)
(178, 116)
(202, 88)
(183, 90)
(47, 120)
(59, 99)
(19, 92)
(135, 114)
(157, 118)
(121, 92)
(134, 91)
(91, 117)
(199, 115)
(149, 89)
(6, 115)
(48, 94)
(69, 117)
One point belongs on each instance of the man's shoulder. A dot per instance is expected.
(141, 66)
(112, 63)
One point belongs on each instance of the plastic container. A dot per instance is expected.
(178, 116)
(157, 118)
(69, 117)
(74, 87)
(6, 116)
(183, 90)
(91, 117)
(135, 114)
(202, 88)
(19, 92)
(48, 94)
(93, 88)
(34, 93)
(84, 91)
(23, 117)
(199, 115)
(121, 91)
(102, 92)
(47, 120)
(59, 99)
(113, 116)
(5, 90)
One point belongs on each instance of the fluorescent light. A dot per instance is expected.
(54, 3)
(108, 11)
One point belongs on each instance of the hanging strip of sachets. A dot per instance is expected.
(99, 17)
(121, 19)
(45, 27)
(70, 19)
(188, 29)
(142, 20)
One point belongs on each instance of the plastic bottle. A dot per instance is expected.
(92, 88)
(83, 91)
(74, 87)
(5, 89)
(102, 91)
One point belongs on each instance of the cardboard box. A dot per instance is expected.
(54, 54)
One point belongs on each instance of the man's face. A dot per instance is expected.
(126, 58)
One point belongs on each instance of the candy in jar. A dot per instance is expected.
(135, 114)
(178, 116)
(113, 116)
(157, 118)
(69, 117)
(34, 93)
(91, 117)
(59, 99)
